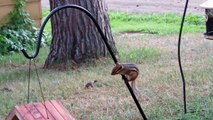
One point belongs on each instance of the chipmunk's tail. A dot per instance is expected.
(135, 89)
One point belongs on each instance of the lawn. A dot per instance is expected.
(153, 49)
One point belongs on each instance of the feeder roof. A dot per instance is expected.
(207, 5)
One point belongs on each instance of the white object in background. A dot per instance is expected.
(208, 4)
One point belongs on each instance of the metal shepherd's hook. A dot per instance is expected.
(102, 35)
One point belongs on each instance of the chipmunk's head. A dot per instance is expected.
(117, 69)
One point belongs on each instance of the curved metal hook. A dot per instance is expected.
(102, 35)
(51, 14)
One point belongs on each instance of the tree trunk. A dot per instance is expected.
(75, 37)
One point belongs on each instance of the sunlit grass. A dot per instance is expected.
(138, 55)
(165, 23)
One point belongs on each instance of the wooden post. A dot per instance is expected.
(37, 111)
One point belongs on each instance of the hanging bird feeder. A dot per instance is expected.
(208, 6)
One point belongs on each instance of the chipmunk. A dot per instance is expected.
(90, 84)
(131, 71)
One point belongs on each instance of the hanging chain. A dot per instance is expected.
(28, 85)
(39, 82)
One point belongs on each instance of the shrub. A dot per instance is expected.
(19, 32)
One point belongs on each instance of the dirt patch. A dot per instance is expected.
(145, 6)
(155, 6)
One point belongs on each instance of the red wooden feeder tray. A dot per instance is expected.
(37, 111)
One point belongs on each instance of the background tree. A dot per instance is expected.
(75, 37)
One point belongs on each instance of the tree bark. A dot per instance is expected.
(75, 37)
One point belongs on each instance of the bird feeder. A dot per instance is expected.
(208, 6)
(36, 111)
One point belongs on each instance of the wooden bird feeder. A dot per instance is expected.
(208, 6)
(36, 111)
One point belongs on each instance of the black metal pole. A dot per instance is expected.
(102, 35)
(179, 57)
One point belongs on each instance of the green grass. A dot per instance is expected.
(167, 23)
(159, 84)
(159, 80)
(138, 55)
